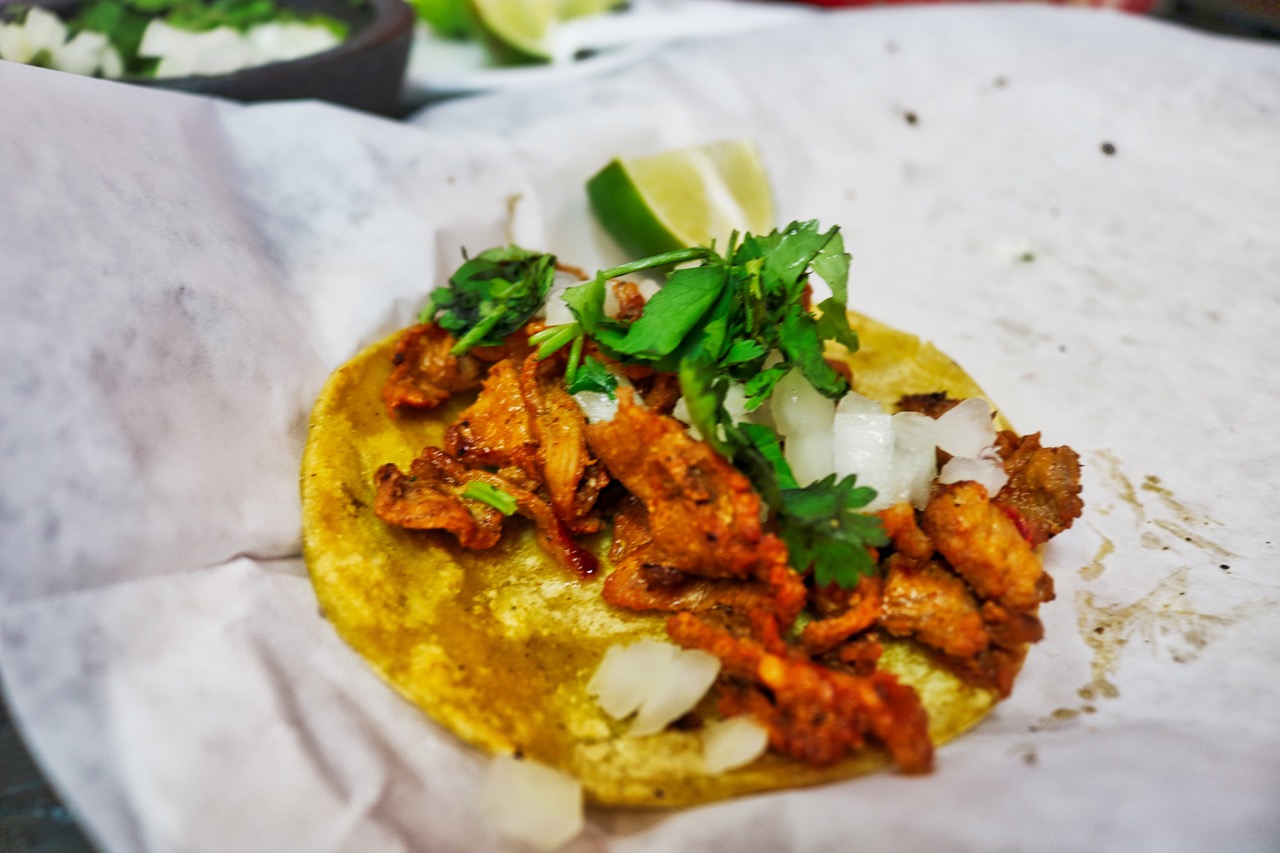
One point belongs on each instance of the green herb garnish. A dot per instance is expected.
(491, 295)
(491, 495)
(820, 523)
(592, 375)
(732, 311)
(824, 531)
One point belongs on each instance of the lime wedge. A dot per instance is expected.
(582, 8)
(446, 17)
(516, 30)
(687, 197)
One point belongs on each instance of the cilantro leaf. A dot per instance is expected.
(673, 312)
(833, 325)
(801, 341)
(592, 375)
(477, 490)
(704, 393)
(832, 263)
(825, 533)
(491, 295)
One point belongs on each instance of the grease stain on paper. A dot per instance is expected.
(1162, 619)
(1096, 567)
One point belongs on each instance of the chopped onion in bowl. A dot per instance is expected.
(731, 743)
(687, 679)
(627, 674)
(531, 802)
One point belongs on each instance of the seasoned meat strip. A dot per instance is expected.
(984, 546)
(926, 601)
(1044, 484)
(703, 515)
(425, 374)
(935, 405)
(557, 426)
(430, 498)
(420, 501)
(493, 431)
(812, 713)
(861, 609)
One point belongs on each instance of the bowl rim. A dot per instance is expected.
(392, 19)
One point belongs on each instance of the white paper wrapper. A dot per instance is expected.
(179, 277)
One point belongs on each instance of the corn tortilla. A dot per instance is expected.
(498, 645)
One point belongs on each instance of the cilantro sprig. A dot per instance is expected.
(742, 317)
(820, 523)
(490, 296)
(731, 312)
(489, 494)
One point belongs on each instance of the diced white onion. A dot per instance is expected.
(222, 50)
(281, 42)
(597, 405)
(557, 312)
(43, 31)
(627, 674)
(82, 54)
(854, 403)
(687, 679)
(915, 461)
(987, 470)
(731, 743)
(966, 429)
(863, 445)
(531, 802)
(159, 40)
(811, 455)
(112, 64)
(797, 407)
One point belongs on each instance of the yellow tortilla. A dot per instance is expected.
(498, 645)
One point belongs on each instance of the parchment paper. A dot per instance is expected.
(179, 276)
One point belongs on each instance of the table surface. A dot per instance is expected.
(33, 818)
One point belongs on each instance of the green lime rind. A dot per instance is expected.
(624, 213)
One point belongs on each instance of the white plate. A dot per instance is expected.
(442, 68)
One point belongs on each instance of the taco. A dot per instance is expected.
(484, 541)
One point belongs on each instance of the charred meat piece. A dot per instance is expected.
(904, 532)
(630, 301)
(493, 431)
(812, 713)
(704, 516)
(860, 610)
(926, 601)
(935, 405)
(425, 373)
(984, 547)
(430, 498)
(639, 584)
(557, 427)
(1044, 484)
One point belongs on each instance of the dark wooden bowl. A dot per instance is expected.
(365, 72)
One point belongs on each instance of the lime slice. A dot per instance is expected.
(582, 8)
(687, 197)
(516, 30)
(446, 17)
